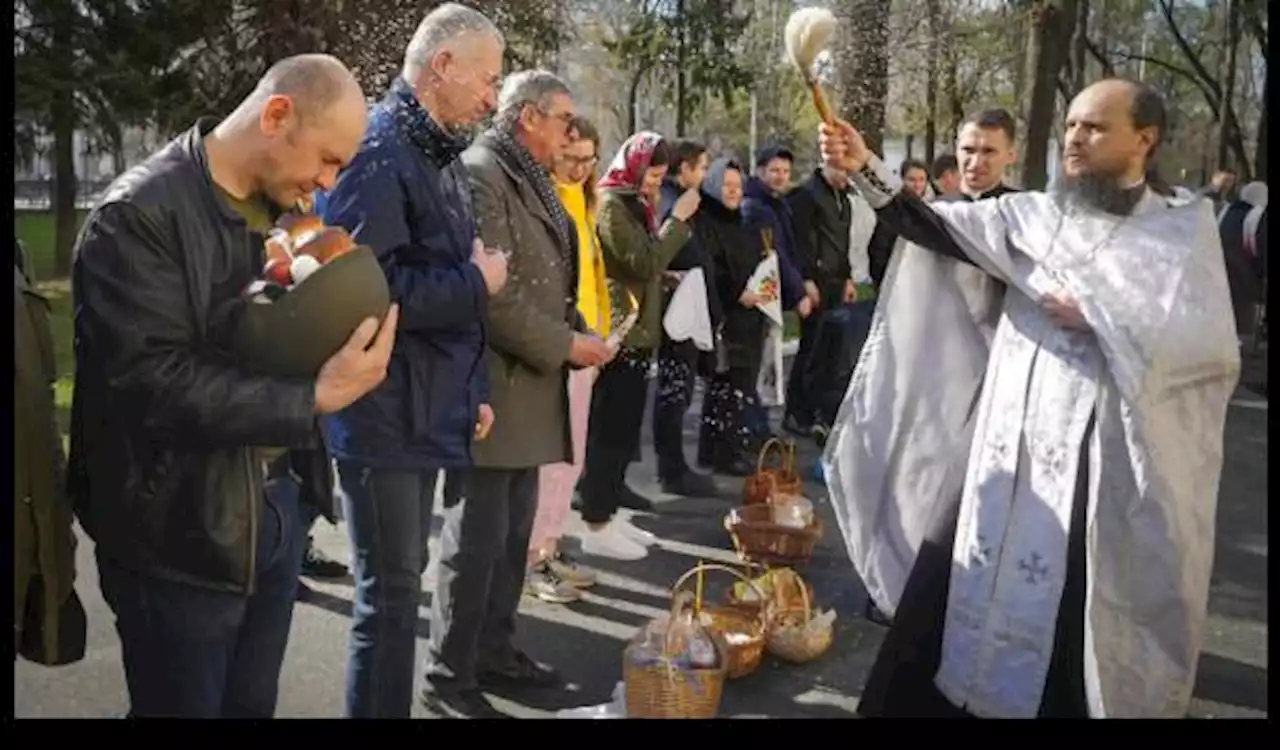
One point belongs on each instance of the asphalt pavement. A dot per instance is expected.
(585, 640)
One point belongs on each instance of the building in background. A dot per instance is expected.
(95, 168)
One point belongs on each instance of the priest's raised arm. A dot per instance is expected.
(971, 232)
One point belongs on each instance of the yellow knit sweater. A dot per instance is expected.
(593, 293)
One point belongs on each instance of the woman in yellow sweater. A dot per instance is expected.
(553, 576)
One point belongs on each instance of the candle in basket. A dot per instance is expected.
(697, 590)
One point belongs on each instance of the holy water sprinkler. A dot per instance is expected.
(807, 33)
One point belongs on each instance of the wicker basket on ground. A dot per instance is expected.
(667, 690)
(780, 594)
(782, 479)
(794, 634)
(758, 539)
(743, 631)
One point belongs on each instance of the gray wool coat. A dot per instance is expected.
(531, 321)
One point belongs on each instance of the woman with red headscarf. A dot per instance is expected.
(636, 252)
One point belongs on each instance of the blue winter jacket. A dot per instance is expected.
(406, 196)
(761, 208)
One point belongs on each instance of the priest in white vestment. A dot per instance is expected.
(1081, 426)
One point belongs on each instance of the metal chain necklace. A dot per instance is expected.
(1055, 244)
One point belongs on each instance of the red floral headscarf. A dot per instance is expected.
(626, 172)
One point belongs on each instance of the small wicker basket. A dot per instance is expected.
(745, 652)
(792, 636)
(762, 486)
(668, 691)
(758, 539)
(775, 598)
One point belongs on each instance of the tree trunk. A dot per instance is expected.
(632, 103)
(1260, 155)
(62, 115)
(931, 84)
(1020, 25)
(863, 64)
(955, 109)
(1051, 21)
(118, 160)
(681, 25)
(1080, 49)
(1227, 74)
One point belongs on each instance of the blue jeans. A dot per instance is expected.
(192, 652)
(388, 516)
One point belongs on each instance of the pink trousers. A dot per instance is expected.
(556, 481)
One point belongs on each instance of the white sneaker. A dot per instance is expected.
(612, 543)
(634, 533)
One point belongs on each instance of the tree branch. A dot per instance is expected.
(1210, 96)
(1166, 10)
(1064, 88)
(1108, 69)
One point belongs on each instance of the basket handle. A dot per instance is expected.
(679, 602)
(804, 590)
(772, 479)
(682, 580)
(733, 535)
(764, 451)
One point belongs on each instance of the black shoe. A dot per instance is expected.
(689, 484)
(632, 500)
(460, 704)
(315, 564)
(523, 672)
(820, 432)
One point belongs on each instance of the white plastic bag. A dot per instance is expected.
(687, 317)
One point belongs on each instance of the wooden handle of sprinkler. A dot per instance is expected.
(820, 101)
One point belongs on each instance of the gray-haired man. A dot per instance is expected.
(406, 196)
(535, 335)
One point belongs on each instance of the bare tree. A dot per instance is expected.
(1227, 73)
(1051, 21)
(933, 18)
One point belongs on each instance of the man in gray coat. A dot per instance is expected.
(535, 335)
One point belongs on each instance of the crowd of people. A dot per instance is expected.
(530, 294)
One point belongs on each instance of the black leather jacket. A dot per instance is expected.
(821, 215)
(161, 472)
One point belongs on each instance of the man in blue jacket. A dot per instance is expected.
(406, 196)
(764, 206)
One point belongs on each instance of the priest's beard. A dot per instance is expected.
(1102, 191)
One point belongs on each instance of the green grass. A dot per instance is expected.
(36, 230)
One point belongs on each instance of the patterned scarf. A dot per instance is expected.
(538, 176)
(626, 172)
(440, 145)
